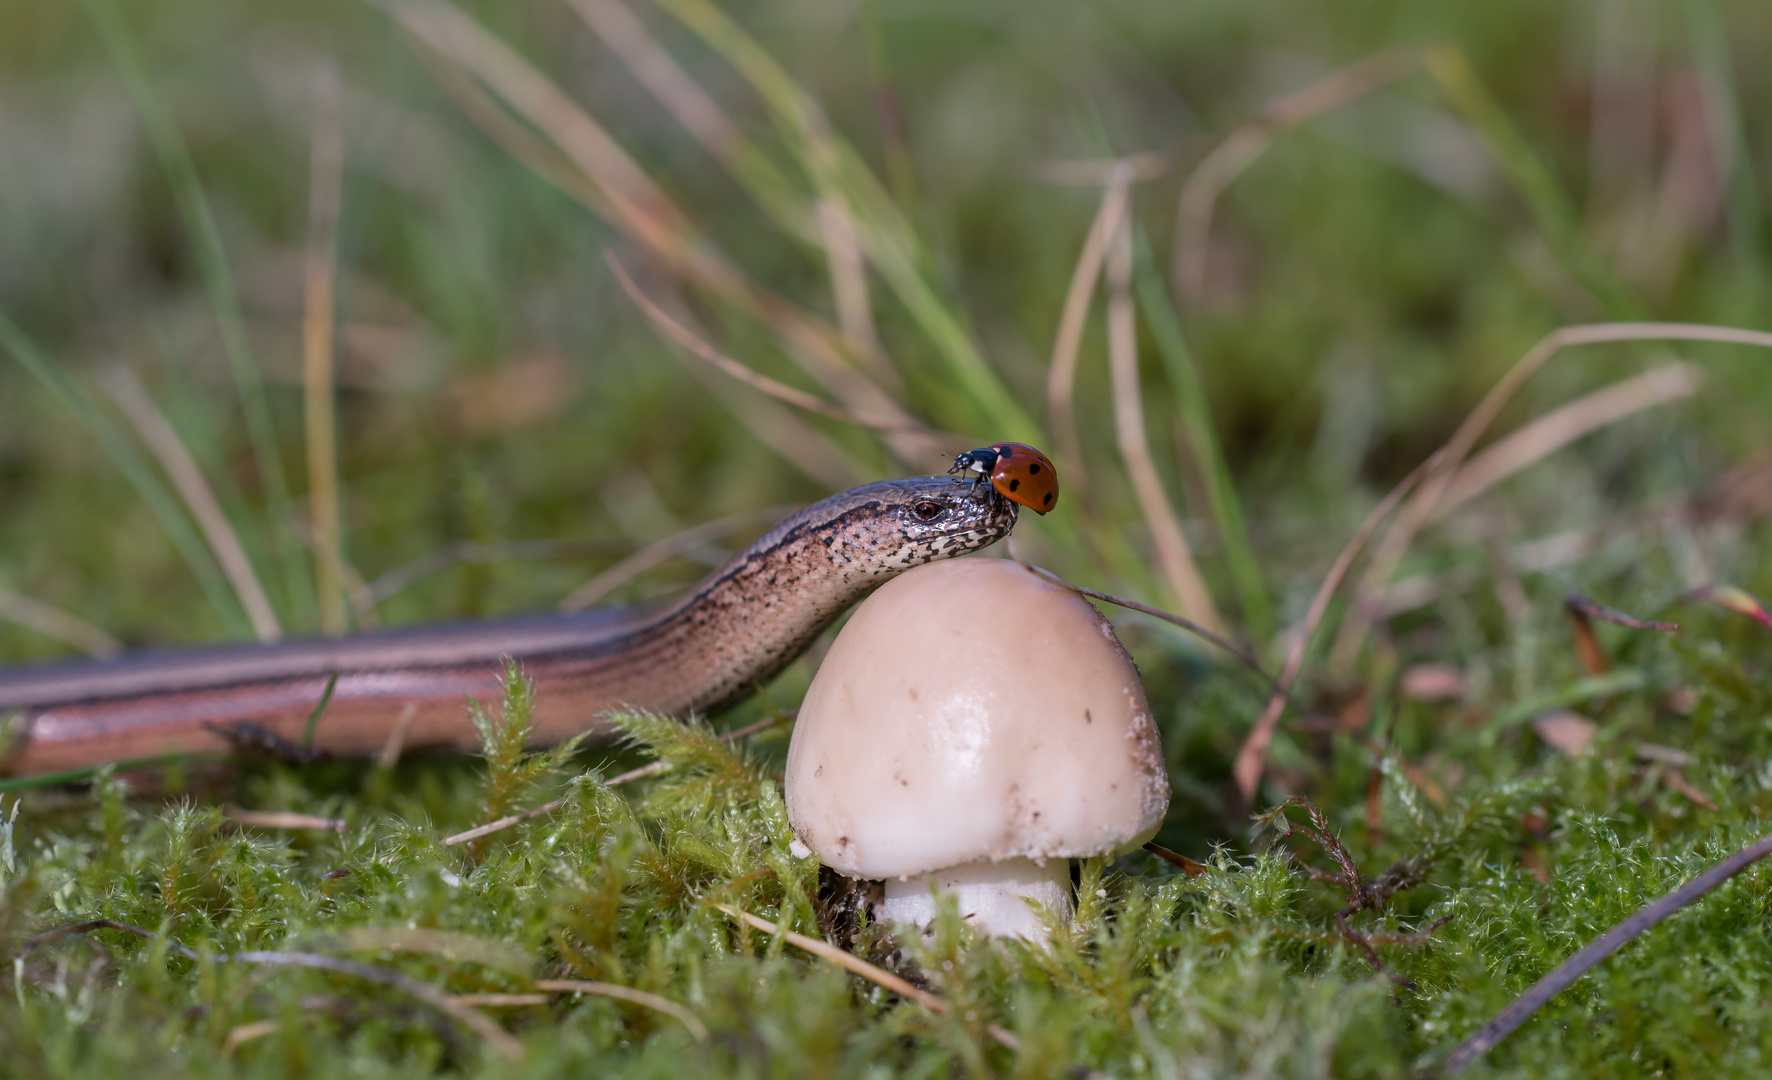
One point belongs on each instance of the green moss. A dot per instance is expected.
(1357, 310)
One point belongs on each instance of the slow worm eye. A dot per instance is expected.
(928, 510)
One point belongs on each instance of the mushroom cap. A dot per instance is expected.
(973, 710)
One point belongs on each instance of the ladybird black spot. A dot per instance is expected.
(1014, 485)
(1034, 468)
(1048, 498)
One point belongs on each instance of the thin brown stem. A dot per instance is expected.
(1251, 759)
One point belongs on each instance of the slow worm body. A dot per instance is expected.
(738, 628)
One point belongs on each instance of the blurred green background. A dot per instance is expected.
(1368, 277)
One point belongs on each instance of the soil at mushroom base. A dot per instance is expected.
(974, 727)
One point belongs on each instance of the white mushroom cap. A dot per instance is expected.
(972, 710)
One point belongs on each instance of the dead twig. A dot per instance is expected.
(1597, 951)
(1583, 610)
(1190, 867)
(1577, 601)
(876, 975)
(1363, 894)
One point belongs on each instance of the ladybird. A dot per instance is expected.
(1018, 472)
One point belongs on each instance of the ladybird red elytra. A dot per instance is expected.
(1017, 471)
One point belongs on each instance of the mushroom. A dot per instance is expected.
(972, 729)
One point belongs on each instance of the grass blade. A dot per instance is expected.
(155, 430)
(1202, 441)
(51, 621)
(218, 282)
(1544, 196)
(886, 237)
(1450, 457)
(1242, 148)
(1728, 139)
(1061, 374)
(123, 453)
(1173, 553)
(1560, 427)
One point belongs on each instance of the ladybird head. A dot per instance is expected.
(980, 461)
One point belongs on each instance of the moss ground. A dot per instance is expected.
(509, 426)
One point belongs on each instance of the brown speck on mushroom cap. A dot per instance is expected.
(989, 735)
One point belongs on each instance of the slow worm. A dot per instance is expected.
(738, 628)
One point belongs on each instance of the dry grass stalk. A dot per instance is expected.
(325, 186)
(51, 621)
(281, 819)
(629, 994)
(1173, 554)
(801, 444)
(396, 744)
(1251, 759)
(662, 76)
(1560, 427)
(856, 965)
(500, 1001)
(534, 152)
(1061, 376)
(668, 548)
(849, 276)
(245, 1033)
(1227, 161)
(155, 430)
(1423, 507)
(1096, 172)
(780, 391)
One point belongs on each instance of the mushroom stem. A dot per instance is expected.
(991, 895)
